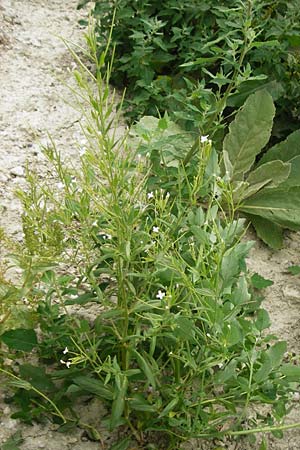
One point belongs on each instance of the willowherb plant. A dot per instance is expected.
(178, 346)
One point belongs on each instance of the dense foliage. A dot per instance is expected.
(176, 345)
(193, 59)
(134, 287)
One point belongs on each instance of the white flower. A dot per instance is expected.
(155, 229)
(203, 139)
(160, 295)
(65, 350)
(60, 185)
(108, 236)
(95, 223)
(150, 195)
(66, 363)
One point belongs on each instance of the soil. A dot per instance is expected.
(35, 69)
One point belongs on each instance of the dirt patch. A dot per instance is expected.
(34, 67)
(35, 64)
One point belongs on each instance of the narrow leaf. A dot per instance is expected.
(249, 132)
(118, 404)
(263, 445)
(94, 386)
(121, 445)
(139, 403)
(169, 407)
(145, 367)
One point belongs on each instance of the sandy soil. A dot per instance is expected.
(34, 65)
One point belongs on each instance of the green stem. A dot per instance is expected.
(267, 429)
(223, 100)
(58, 412)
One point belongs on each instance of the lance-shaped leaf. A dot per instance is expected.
(118, 404)
(285, 150)
(281, 206)
(271, 175)
(249, 133)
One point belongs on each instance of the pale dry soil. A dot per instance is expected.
(34, 67)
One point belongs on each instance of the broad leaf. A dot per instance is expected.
(276, 353)
(232, 262)
(240, 294)
(249, 133)
(270, 233)
(294, 270)
(294, 176)
(13, 442)
(259, 282)
(272, 359)
(285, 150)
(263, 320)
(276, 205)
(37, 377)
(271, 175)
(20, 339)
(249, 87)
(291, 372)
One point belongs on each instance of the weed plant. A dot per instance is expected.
(178, 347)
(194, 59)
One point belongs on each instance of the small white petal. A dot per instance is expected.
(160, 295)
(155, 229)
(203, 139)
(65, 350)
(150, 195)
(68, 363)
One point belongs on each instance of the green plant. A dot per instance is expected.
(194, 59)
(267, 191)
(178, 345)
